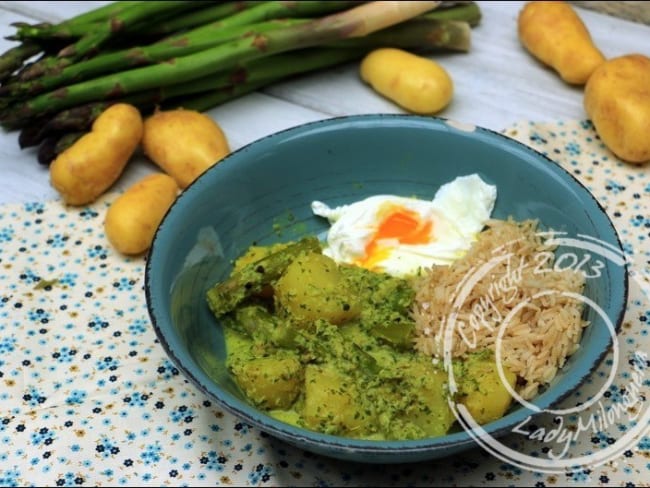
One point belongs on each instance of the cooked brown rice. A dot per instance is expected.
(542, 333)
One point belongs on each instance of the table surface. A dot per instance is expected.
(497, 84)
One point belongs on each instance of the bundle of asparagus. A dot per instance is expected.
(196, 55)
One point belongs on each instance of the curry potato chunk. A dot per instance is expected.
(482, 391)
(330, 403)
(272, 381)
(312, 288)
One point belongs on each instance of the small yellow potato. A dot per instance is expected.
(417, 84)
(133, 218)
(554, 34)
(85, 170)
(183, 143)
(617, 99)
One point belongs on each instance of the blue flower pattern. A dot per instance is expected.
(89, 398)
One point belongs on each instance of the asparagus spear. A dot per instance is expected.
(52, 146)
(189, 43)
(465, 11)
(195, 18)
(213, 90)
(75, 119)
(280, 9)
(46, 30)
(259, 11)
(356, 22)
(92, 40)
(95, 34)
(12, 59)
(419, 34)
(251, 279)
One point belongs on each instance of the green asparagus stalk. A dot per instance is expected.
(30, 134)
(95, 34)
(189, 43)
(47, 30)
(416, 34)
(225, 296)
(219, 87)
(13, 58)
(74, 119)
(468, 12)
(254, 76)
(276, 10)
(213, 98)
(221, 15)
(419, 34)
(94, 39)
(194, 19)
(52, 146)
(259, 12)
(101, 13)
(356, 22)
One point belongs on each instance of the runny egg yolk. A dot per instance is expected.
(398, 224)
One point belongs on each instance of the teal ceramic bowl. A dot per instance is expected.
(262, 194)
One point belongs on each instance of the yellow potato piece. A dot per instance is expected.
(331, 401)
(413, 82)
(554, 34)
(313, 288)
(85, 170)
(484, 395)
(183, 143)
(133, 218)
(617, 99)
(272, 381)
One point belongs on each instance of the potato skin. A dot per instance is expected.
(617, 99)
(85, 170)
(133, 218)
(183, 143)
(554, 34)
(415, 83)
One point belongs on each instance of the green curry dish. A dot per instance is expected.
(329, 348)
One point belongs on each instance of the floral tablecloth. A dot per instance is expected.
(88, 396)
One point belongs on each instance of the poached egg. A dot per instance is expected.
(401, 235)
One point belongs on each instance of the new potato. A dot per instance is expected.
(415, 83)
(85, 170)
(617, 99)
(133, 218)
(183, 143)
(555, 34)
